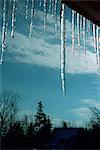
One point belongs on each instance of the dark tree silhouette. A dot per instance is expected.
(25, 123)
(30, 130)
(8, 110)
(30, 135)
(15, 137)
(95, 125)
(42, 126)
(95, 117)
(41, 119)
(64, 124)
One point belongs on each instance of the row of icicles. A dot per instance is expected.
(51, 6)
(82, 24)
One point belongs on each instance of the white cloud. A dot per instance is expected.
(91, 102)
(38, 51)
(84, 112)
(43, 49)
(81, 112)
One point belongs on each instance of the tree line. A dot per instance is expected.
(35, 133)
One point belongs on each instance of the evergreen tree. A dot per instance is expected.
(30, 130)
(41, 119)
(42, 126)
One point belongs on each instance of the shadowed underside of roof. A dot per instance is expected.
(88, 8)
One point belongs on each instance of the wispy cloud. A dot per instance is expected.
(38, 51)
(84, 112)
(91, 103)
(44, 49)
(81, 112)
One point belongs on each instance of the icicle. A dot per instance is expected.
(45, 13)
(27, 6)
(97, 42)
(2, 58)
(80, 28)
(94, 41)
(6, 31)
(32, 17)
(4, 26)
(73, 38)
(84, 34)
(78, 32)
(94, 38)
(40, 4)
(13, 19)
(53, 4)
(80, 22)
(97, 36)
(89, 27)
(99, 49)
(3, 42)
(55, 12)
(50, 5)
(62, 54)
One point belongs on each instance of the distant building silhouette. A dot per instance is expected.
(63, 137)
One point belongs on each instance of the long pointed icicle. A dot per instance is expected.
(55, 12)
(89, 27)
(94, 38)
(50, 5)
(53, 4)
(80, 19)
(32, 17)
(13, 19)
(3, 42)
(40, 3)
(6, 32)
(84, 34)
(62, 53)
(78, 32)
(97, 42)
(80, 23)
(73, 28)
(99, 48)
(45, 13)
(27, 6)
(94, 42)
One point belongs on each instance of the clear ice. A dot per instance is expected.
(32, 17)
(4, 33)
(78, 31)
(62, 53)
(45, 13)
(27, 6)
(73, 28)
(84, 34)
(13, 18)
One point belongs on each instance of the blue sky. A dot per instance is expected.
(32, 68)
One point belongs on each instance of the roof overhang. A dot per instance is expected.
(88, 8)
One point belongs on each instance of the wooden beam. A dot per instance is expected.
(88, 8)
